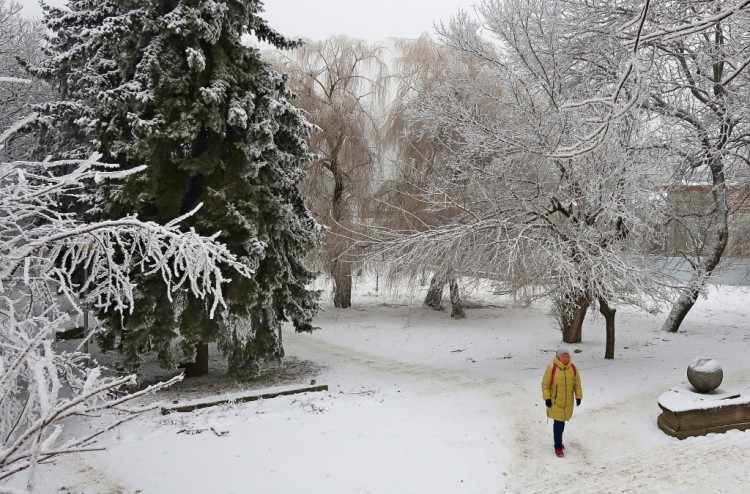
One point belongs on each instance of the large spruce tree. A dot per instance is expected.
(172, 85)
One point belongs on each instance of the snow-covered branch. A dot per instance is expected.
(647, 30)
(15, 128)
(683, 29)
(15, 80)
(49, 256)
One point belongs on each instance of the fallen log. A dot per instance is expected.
(238, 398)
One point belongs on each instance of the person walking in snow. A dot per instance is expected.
(561, 385)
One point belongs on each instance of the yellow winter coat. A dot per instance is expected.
(563, 391)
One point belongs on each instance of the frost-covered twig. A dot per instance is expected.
(682, 29)
(605, 108)
(15, 128)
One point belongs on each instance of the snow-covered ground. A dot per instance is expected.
(420, 403)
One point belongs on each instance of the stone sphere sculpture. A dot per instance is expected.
(705, 374)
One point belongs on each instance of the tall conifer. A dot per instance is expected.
(172, 85)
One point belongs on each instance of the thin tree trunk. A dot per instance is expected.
(199, 367)
(423, 278)
(720, 236)
(457, 305)
(609, 319)
(573, 330)
(434, 297)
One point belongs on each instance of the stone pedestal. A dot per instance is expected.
(686, 413)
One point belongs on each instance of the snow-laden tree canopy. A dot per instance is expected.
(172, 85)
(683, 67)
(502, 203)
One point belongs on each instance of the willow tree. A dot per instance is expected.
(340, 84)
(173, 85)
(418, 155)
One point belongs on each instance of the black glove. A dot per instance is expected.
(578, 401)
(548, 402)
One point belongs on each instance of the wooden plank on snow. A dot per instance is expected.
(239, 398)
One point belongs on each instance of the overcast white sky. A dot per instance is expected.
(373, 20)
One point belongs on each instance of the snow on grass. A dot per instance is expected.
(419, 403)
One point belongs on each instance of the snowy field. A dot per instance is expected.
(419, 403)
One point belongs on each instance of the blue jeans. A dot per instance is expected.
(557, 430)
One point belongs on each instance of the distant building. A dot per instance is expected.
(692, 205)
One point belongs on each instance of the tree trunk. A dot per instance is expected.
(719, 237)
(342, 284)
(609, 319)
(573, 327)
(457, 305)
(434, 297)
(341, 270)
(199, 367)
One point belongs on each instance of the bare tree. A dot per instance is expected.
(418, 155)
(574, 227)
(685, 65)
(698, 85)
(340, 83)
(19, 43)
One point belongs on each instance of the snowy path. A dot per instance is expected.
(692, 465)
(604, 457)
(612, 448)
(617, 448)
